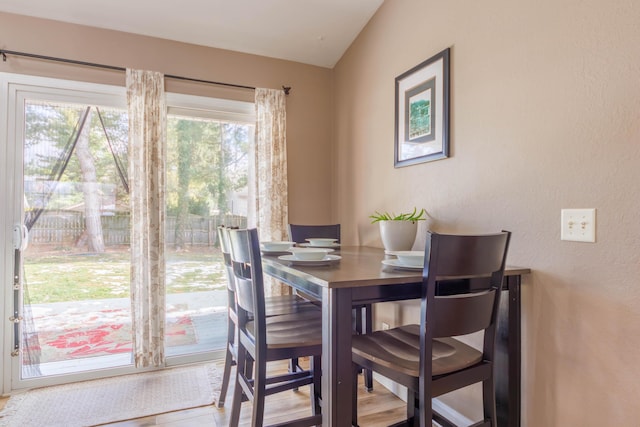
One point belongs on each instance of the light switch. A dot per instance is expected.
(578, 225)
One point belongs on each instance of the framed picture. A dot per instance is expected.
(422, 112)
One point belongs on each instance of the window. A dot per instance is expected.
(208, 146)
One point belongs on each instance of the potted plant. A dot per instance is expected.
(398, 232)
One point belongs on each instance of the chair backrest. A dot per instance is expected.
(298, 233)
(456, 257)
(246, 263)
(225, 248)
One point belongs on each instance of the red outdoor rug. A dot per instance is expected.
(73, 335)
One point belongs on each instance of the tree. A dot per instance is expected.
(188, 135)
(92, 205)
(232, 169)
(86, 163)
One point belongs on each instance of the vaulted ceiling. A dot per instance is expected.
(315, 32)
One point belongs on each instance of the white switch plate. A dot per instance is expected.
(578, 225)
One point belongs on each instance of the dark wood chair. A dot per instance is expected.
(299, 233)
(363, 315)
(426, 358)
(263, 339)
(276, 305)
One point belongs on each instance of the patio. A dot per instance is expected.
(82, 335)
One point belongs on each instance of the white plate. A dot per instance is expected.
(321, 240)
(328, 259)
(309, 245)
(272, 253)
(396, 264)
(281, 246)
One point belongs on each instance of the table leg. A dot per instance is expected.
(515, 339)
(336, 357)
(507, 363)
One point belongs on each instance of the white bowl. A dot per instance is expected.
(317, 241)
(309, 254)
(410, 258)
(277, 246)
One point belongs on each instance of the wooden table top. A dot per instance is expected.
(359, 266)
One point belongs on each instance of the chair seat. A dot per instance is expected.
(283, 298)
(399, 348)
(303, 329)
(288, 304)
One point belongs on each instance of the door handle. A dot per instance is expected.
(20, 237)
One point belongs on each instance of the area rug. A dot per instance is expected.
(77, 334)
(109, 400)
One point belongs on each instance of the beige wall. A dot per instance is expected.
(308, 105)
(545, 109)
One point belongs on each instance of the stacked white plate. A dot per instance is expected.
(310, 256)
(406, 260)
(276, 248)
(320, 242)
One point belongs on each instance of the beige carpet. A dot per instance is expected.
(109, 400)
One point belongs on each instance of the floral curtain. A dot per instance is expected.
(147, 127)
(271, 195)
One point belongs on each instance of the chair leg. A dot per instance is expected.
(411, 406)
(424, 414)
(293, 367)
(489, 402)
(248, 369)
(316, 391)
(259, 391)
(241, 365)
(368, 328)
(358, 320)
(354, 395)
(357, 325)
(228, 363)
(364, 325)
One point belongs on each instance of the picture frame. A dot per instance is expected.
(422, 112)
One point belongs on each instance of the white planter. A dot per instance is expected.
(398, 235)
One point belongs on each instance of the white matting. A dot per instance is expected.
(95, 402)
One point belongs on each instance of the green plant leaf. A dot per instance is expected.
(408, 216)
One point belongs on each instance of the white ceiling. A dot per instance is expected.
(315, 32)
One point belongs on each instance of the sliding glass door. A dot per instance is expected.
(67, 160)
(67, 259)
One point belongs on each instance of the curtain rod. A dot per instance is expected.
(4, 54)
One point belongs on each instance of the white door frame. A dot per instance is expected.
(14, 90)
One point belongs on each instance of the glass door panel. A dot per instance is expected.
(206, 187)
(75, 270)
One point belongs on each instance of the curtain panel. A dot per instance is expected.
(270, 183)
(147, 140)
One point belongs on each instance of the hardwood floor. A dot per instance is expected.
(376, 409)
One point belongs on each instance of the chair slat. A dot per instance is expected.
(463, 314)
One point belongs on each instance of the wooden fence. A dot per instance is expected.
(66, 228)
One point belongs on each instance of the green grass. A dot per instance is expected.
(81, 277)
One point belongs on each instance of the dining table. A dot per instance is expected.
(367, 275)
